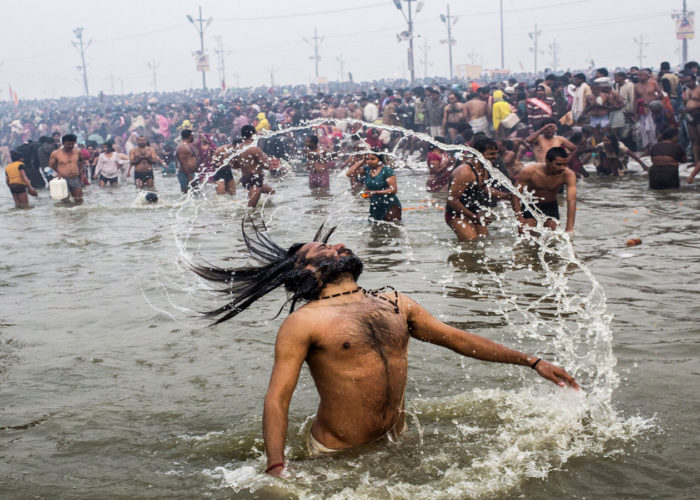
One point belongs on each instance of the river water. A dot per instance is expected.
(113, 386)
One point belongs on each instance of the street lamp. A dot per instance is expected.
(449, 21)
(408, 35)
(200, 29)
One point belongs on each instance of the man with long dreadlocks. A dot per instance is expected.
(354, 341)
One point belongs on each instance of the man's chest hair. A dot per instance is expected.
(364, 324)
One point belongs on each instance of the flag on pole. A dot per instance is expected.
(13, 95)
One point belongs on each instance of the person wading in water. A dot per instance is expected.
(354, 341)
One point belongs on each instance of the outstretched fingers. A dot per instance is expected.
(556, 374)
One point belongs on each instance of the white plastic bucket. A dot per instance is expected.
(510, 121)
(58, 188)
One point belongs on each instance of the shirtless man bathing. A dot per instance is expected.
(186, 160)
(141, 159)
(69, 164)
(691, 101)
(545, 139)
(354, 341)
(252, 161)
(223, 177)
(545, 180)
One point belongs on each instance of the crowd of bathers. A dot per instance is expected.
(598, 116)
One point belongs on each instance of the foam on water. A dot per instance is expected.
(479, 442)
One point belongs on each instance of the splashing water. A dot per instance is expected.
(475, 442)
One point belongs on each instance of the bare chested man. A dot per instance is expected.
(545, 180)
(599, 104)
(545, 139)
(646, 91)
(223, 177)
(141, 159)
(691, 102)
(69, 164)
(317, 159)
(186, 159)
(454, 116)
(252, 161)
(355, 343)
(477, 111)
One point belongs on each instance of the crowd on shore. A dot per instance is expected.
(599, 116)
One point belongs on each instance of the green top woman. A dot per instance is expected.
(380, 187)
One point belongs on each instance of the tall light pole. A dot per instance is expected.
(341, 63)
(154, 68)
(685, 40)
(449, 21)
(409, 33)
(316, 42)
(78, 32)
(221, 54)
(640, 41)
(202, 27)
(503, 64)
(554, 50)
(534, 36)
(425, 57)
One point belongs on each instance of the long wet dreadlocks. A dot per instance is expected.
(280, 266)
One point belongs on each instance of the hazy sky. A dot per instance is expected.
(264, 36)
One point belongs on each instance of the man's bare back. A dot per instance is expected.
(360, 369)
(252, 160)
(476, 108)
(186, 158)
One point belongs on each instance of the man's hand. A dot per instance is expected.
(556, 374)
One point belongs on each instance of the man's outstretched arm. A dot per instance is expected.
(291, 347)
(423, 326)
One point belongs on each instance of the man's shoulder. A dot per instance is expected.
(303, 321)
(531, 169)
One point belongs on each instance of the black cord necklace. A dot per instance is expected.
(374, 293)
(359, 288)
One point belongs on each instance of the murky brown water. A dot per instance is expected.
(111, 386)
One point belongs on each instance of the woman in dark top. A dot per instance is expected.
(470, 192)
(380, 184)
(668, 152)
(612, 156)
(665, 158)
